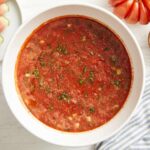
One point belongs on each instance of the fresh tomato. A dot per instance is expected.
(132, 11)
(123, 9)
(133, 15)
(144, 14)
(116, 2)
(147, 3)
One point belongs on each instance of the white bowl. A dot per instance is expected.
(55, 136)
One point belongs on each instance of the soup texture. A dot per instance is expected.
(73, 73)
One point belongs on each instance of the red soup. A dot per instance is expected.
(73, 73)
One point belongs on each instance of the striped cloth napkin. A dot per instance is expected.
(136, 134)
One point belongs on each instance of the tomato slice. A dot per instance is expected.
(147, 3)
(133, 16)
(123, 9)
(144, 14)
(116, 2)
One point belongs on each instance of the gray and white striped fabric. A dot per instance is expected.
(136, 134)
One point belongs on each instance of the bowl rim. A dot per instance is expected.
(119, 22)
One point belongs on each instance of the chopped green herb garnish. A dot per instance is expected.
(106, 49)
(92, 109)
(84, 69)
(42, 63)
(117, 83)
(64, 96)
(81, 81)
(91, 76)
(62, 49)
(36, 73)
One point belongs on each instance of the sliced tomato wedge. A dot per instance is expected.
(133, 15)
(147, 3)
(144, 14)
(116, 2)
(123, 9)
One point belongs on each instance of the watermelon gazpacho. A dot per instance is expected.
(73, 73)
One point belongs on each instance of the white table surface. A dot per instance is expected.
(12, 135)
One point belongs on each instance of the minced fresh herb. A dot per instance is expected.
(64, 96)
(62, 49)
(92, 109)
(36, 73)
(117, 83)
(91, 76)
(106, 49)
(85, 69)
(42, 63)
(81, 81)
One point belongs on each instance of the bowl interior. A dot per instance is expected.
(59, 137)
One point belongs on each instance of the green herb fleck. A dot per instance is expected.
(64, 96)
(91, 76)
(36, 73)
(42, 63)
(85, 69)
(92, 109)
(106, 49)
(62, 49)
(117, 83)
(81, 81)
